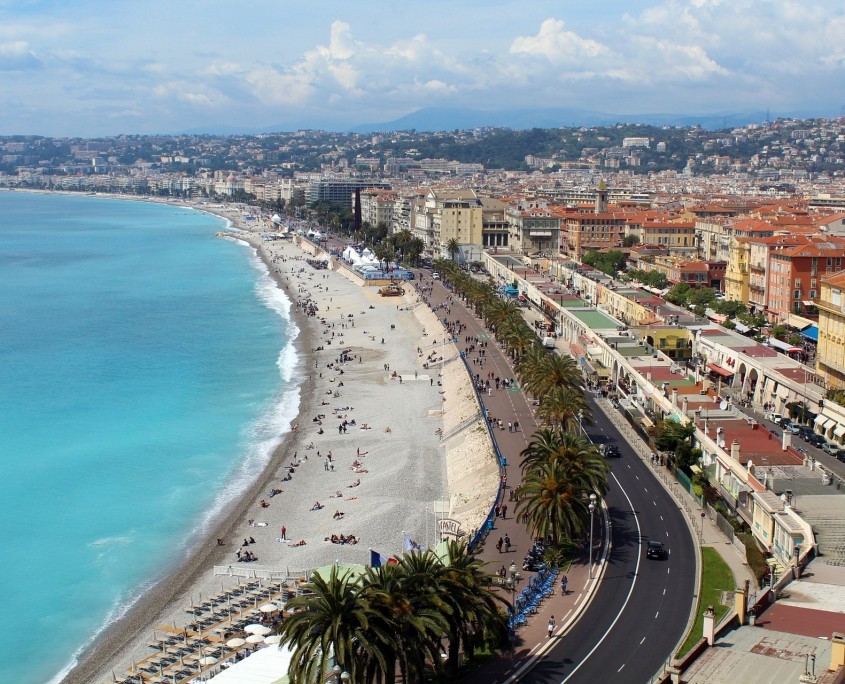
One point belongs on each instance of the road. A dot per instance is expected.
(641, 608)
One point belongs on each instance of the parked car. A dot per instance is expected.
(776, 418)
(789, 425)
(805, 433)
(831, 448)
(655, 550)
(817, 440)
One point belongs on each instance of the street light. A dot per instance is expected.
(580, 422)
(337, 669)
(344, 677)
(592, 507)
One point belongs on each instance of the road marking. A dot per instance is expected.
(646, 489)
(664, 593)
(620, 669)
(641, 641)
(656, 614)
(637, 476)
(580, 596)
(661, 517)
(654, 502)
(630, 590)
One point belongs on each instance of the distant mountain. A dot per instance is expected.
(449, 119)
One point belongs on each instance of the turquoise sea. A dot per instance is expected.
(146, 371)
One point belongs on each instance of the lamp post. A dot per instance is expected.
(344, 677)
(337, 670)
(581, 422)
(592, 508)
(512, 582)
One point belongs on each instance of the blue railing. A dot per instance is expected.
(491, 515)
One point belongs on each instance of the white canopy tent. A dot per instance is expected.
(266, 666)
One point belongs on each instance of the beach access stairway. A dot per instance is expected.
(460, 427)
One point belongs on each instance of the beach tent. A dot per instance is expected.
(276, 218)
(267, 665)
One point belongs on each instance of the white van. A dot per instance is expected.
(549, 342)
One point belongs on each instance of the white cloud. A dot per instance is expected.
(16, 56)
(557, 44)
(189, 93)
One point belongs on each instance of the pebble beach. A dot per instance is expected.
(386, 439)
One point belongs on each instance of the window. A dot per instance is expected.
(798, 282)
(813, 294)
(796, 294)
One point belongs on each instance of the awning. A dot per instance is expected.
(724, 372)
(808, 302)
(811, 333)
(742, 328)
(783, 346)
(796, 321)
(821, 419)
(602, 372)
(826, 425)
(839, 431)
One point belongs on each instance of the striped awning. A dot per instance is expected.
(724, 372)
(839, 431)
(822, 421)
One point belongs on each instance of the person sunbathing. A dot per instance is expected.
(356, 483)
(317, 506)
(264, 504)
(356, 463)
(360, 470)
(337, 515)
(301, 542)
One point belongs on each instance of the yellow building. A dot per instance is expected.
(830, 356)
(737, 273)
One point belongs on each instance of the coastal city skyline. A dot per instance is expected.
(95, 68)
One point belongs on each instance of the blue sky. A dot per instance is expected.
(102, 67)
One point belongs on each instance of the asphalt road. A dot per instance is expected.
(641, 608)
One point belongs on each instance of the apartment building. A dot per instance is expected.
(830, 353)
(794, 275)
(677, 236)
(378, 206)
(338, 191)
(533, 226)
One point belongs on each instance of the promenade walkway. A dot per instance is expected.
(510, 406)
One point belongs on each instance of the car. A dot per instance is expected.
(655, 550)
(610, 451)
(792, 427)
(831, 448)
(776, 418)
(805, 433)
(817, 440)
(435, 276)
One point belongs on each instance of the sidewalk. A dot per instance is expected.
(509, 406)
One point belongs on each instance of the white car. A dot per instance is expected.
(435, 276)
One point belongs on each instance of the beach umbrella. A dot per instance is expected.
(273, 639)
(269, 608)
(235, 643)
(254, 639)
(207, 660)
(257, 629)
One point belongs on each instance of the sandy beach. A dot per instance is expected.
(380, 444)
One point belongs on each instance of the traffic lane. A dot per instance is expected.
(576, 648)
(639, 613)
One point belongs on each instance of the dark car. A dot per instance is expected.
(655, 550)
(817, 440)
(610, 451)
(805, 433)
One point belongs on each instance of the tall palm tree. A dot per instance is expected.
(453, 247)
(564, 407)
(541, 370)
(516, 336)
(336, 622)
(553, 503)
(499, 310)
(472, 605)
(580, 459)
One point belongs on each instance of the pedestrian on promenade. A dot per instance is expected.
(505, 510)
(507, 542)
(499, 545)
(551, 626)
(563, 583)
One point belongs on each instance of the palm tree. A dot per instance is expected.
(540, 371)
(499, 310)
(516, 336)
(564, 407)
(335, 621)
(579, 457)
(453, 247)
(464, 586)
(554, 505)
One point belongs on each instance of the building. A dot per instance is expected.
(830, 353)
(338, 191)
(533, 228)
(794, 275)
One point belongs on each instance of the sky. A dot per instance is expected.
(104, 67)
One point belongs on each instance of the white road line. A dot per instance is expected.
(654, 502)
(630, 591)
(620, 669)
(661, 517)
(664, 591)
(580, 596)
(656, 614)
(641, 641)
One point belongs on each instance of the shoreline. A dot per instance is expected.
(457, 476)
